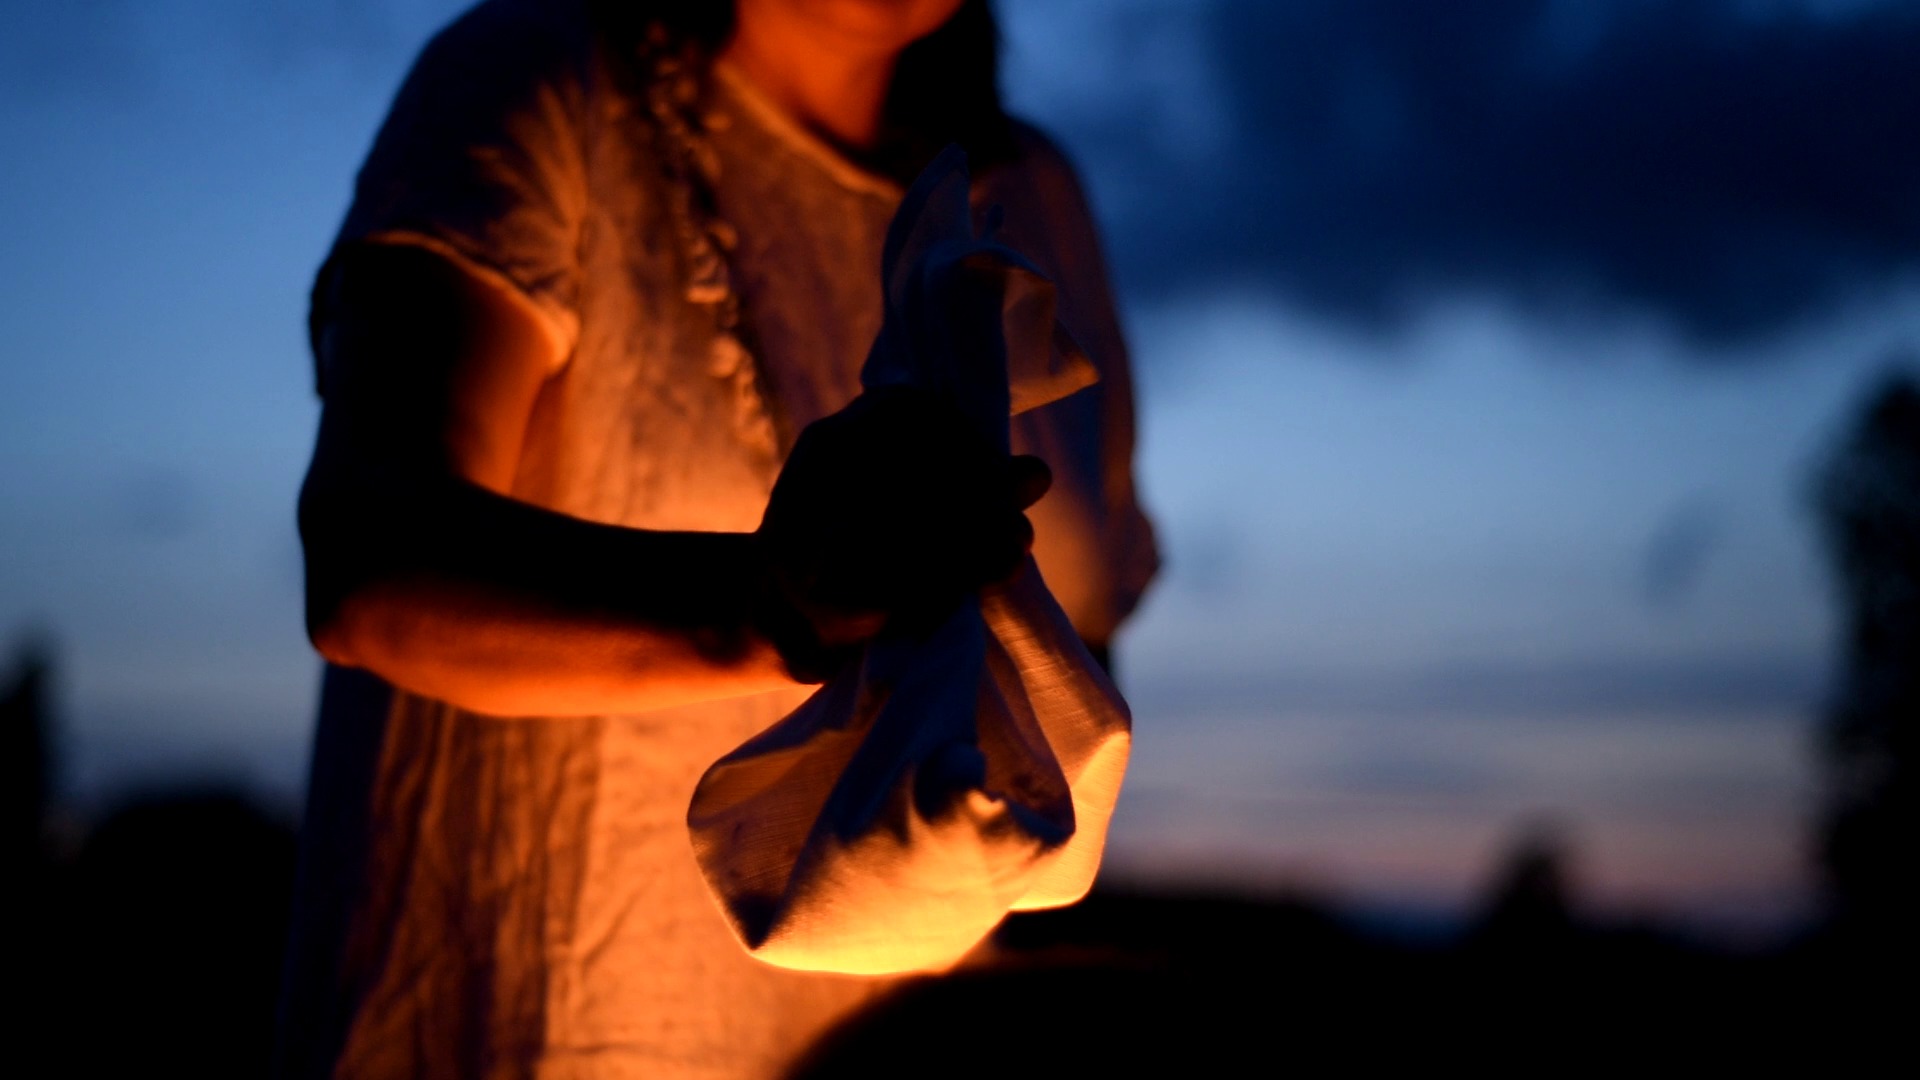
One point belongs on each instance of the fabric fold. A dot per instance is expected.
(892, 820)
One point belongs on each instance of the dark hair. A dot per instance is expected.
(946, 86)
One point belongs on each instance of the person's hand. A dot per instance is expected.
(886, 515)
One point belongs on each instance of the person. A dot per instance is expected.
(603, 291)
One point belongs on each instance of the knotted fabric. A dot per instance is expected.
(948, 777)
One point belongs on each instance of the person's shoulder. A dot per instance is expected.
(1041, 163)
(1037, 150)
(499, 40)
(525, 21)
(1043, 168)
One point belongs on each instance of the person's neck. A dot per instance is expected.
(836, 89)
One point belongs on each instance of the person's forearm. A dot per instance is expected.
(450, 591)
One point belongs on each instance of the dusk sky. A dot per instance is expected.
(1485, 353)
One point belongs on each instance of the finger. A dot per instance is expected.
(1003, 559)
(1030, 479)
(850, 628)
(1023, 534)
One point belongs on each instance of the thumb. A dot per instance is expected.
(1028, 479)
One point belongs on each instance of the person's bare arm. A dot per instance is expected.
(421, 569)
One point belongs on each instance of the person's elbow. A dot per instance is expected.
(334, 622)
(376, 600)
(342, 561)
(363, 627)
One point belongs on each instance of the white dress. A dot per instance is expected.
(517, 897)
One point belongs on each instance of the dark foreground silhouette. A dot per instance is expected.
(163, 948)
(1135, 983)
(159, 945)
(1867, 500)
(156, 944)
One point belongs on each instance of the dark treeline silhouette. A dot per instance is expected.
(27, 902)
(176, 921)
(153, 944)
(1528, 910)
(26, 754)
(1868, 498)
(1132, 983)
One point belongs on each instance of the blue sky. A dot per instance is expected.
(1467, 521)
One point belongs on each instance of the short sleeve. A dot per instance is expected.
(1135, 553)
(1044, 194)
(482, 160)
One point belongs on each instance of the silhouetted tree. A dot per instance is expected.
(26, 740)
(1868, 498)
(1526, 911)
(179, 918)
(30, 898)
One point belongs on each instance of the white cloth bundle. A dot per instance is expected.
(891, 821)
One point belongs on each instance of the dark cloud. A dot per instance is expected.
(1730, 172)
